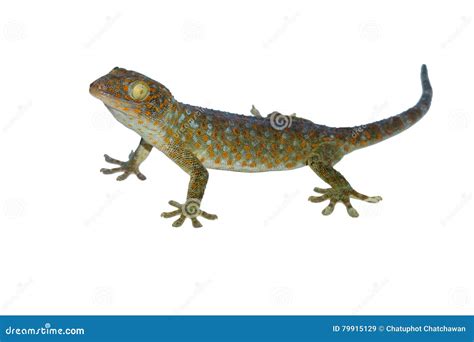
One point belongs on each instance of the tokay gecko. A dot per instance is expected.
(197, 139)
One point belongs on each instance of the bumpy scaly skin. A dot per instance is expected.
(198, 138)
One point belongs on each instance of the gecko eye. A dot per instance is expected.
(139, 90)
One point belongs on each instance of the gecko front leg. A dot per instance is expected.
(132, 165)
(197, 185)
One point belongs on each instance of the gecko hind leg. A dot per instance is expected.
(341, 191)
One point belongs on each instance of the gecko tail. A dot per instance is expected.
(366, 135)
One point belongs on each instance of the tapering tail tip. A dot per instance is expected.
(386, 128)
(425, 81)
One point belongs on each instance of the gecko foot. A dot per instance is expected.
(127, 168)
(191, 209)
(341, 195)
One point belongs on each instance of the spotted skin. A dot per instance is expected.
(197, 139)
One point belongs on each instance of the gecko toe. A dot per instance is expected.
(321, 190)
(208, 216)
(171, 213)
(123, 176)
(374, 199)
(110, 160)
(329, 209)
(179, 222)
(196, 223)
(318, 199)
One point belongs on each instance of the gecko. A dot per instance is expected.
(198, 139)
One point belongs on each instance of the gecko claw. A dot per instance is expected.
(191, 209)
(127, 168)
(341, 195)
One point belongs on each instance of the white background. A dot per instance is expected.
(74, 241)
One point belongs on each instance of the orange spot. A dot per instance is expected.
(238, 156)
(225, 155)
(248, 156)
(253, 164)
(218, 161)
(367, 134)
(155, 123)
(197, 145)
(229, 162)
(140, 122)
(244, 163)
(290, 165)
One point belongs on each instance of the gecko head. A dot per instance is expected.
(130, 92)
